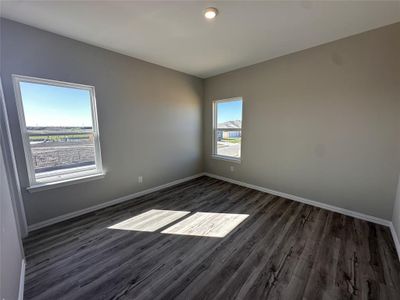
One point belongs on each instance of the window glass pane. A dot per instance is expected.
(228, 143)
(229, 114)
(52, 106)
(228, 133)
(60, 127)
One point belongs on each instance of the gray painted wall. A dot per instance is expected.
(322, 123)
(396, 214)
(11, 253)
(149, 117)
(11, 168)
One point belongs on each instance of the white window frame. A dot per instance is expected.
(215, 129)
(63, 176)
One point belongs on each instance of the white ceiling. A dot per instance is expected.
(176, 35)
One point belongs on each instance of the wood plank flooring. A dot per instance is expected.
(250, 245)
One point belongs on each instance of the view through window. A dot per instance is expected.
(59, 126)
(228, 128)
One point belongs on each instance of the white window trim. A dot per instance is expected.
(215, 128)
(65, 182)
(63, 177)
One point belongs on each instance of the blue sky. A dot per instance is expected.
(229, 111)
(47, 105)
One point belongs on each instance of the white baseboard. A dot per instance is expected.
(395, 239)
(248, 185)
(109, 203)
(22, 281)
(343, 211)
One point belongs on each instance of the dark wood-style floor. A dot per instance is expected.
(282, 250)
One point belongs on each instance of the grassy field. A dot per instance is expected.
(231, 140)
(56, 138)
(57, 134)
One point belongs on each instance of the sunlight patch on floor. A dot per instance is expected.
(150, 221)
(207, 224)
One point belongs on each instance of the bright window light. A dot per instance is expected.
(150, 221)
(59, 127)
(207, 224)
(227, 126)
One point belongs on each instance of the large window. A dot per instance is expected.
(59, 129)
(227, 124)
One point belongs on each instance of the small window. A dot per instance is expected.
(59, 129)
(227, 135)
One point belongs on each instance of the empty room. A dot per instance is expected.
(199, 150)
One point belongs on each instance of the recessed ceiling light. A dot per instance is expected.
(211, 13)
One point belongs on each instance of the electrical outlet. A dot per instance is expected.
(232, 168)
(140, 179)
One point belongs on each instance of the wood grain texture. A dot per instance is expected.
(281, 250)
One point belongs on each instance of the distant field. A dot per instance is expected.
(58, 137)
(231, 140)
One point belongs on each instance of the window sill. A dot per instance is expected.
(226, 158)
(64, 182)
